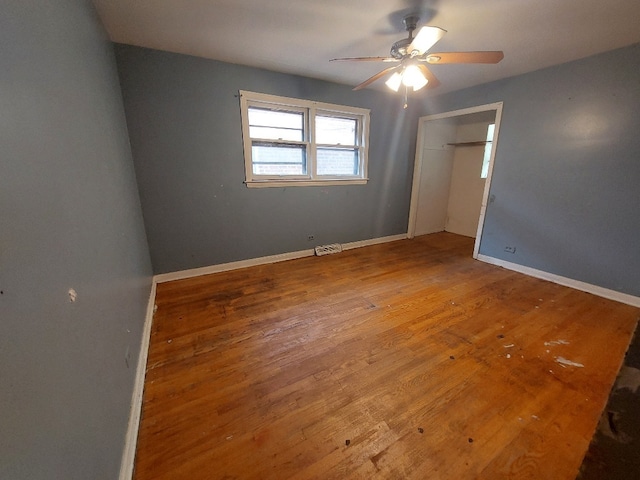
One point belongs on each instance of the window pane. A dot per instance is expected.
(335, 161)
(276, 125)
(336, 131)
(487, 151)
(269, 159)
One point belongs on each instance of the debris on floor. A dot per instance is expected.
(564, 361)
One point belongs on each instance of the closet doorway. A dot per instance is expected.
(452, 172)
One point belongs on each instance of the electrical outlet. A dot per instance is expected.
(510, 249)
(309, 238)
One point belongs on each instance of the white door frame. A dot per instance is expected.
(417, 168)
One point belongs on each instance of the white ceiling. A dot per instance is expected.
(300, 36)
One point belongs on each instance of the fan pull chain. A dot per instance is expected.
(406, 101)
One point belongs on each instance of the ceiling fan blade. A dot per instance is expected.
(374, 78)
(433, 81)
(464, 57)
(365, 59)
(425, 39)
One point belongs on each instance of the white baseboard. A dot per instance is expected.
(131, 439)
(373, 241)
(224, 267)
(567, 282)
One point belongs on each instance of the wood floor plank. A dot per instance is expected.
(401, 360)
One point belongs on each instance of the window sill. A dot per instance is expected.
(304, 183)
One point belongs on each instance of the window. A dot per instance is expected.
(288, 141)
(487, 151)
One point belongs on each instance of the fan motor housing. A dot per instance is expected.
(399, 49)
(411, 22)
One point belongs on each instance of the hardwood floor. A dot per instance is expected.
(406, 360)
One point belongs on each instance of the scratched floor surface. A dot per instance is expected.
(406, 360)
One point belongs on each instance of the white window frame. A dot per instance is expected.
(310, 109)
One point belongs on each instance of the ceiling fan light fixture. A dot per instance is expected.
(421, 84)
(413, 77)
(412, 53)
(394, 81)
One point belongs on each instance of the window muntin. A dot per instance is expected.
(297, 142)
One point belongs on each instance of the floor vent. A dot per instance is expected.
(327, 249)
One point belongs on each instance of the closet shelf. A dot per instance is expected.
(470, 144)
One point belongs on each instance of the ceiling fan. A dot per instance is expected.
(412, 54)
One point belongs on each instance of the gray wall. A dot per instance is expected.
(566, 182)
(70, 217)
(184, 124)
